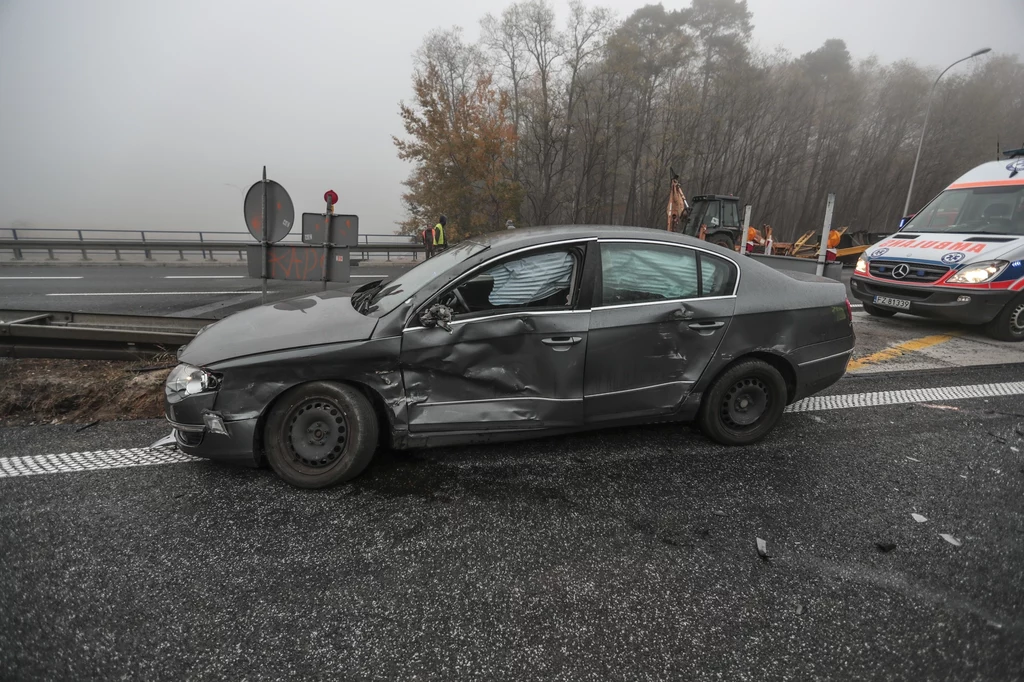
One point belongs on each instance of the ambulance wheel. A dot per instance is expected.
(1009, 323)
(878, 312)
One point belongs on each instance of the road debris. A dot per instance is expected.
(912, 459)
(950, 539)
(1013, 449)
(719, 512)
(762, 549)
(87, 426)
(940, 407)
(799, 609)
(885, 546)
(918, 518)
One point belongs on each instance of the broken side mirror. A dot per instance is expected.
(437, 315)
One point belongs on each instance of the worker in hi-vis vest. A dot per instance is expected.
(439, 241)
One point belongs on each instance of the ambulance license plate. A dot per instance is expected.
(898, 303)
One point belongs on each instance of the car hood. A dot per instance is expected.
(948, 249)
(311, 320)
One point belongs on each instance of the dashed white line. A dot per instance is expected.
(161, 293)
(204, 276)
(41, 277)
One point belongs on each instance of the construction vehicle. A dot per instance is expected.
(720, 215)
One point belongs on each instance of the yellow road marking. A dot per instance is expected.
(893, 352)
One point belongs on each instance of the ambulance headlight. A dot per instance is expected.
(979, 272)
(862, 265)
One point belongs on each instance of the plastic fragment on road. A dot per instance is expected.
(885, 546)
(950, 539)
(87, 426)
(919, 518)
(799, 609)
(912, 459)
(1014, 449)
(940, 407)
(719, 512)
(762, 549)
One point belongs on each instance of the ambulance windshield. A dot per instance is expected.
(978, 210)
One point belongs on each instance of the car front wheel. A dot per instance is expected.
(743, 404)
(1009, 323)
(319, 434)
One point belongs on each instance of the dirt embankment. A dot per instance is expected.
(79, 391)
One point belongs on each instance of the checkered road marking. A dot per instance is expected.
(89, 461)
(131, 457)
(913, 395)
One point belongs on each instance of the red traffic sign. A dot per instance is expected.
(331, 197)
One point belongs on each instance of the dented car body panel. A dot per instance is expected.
(573, 351)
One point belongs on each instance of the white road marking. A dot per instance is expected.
(131, 457)
(913, 395)
(204, 276)
(90, 461)
(370, 276)
(161, 293)
(41, 277)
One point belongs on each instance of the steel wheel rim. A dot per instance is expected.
(316, 433)
(745, 403)
(1017, 321)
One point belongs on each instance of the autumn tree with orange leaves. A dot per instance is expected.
(462, 146)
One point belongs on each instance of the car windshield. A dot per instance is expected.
(383, 297)
(981, 210)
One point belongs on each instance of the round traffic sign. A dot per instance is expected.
(331, 197)
(280, 211)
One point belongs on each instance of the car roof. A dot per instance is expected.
(530, 236)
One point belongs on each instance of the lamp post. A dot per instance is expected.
(906, 208)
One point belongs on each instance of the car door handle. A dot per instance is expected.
(706, 326)
(562, 342)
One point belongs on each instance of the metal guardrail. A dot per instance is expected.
(196, 242)
(50, 334)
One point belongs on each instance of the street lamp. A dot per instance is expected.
(906, 208)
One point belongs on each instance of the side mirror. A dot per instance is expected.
(437, 315)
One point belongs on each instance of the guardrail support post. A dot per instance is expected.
(201, 241)
(149, 254)
(17, 252)
(211, 251)
(85, 256)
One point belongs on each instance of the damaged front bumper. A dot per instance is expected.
(201, 431)
(217, 439)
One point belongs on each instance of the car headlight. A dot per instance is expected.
(862, 265)
(979, 273)
(190, 380)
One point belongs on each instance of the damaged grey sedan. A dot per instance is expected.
(519, 335)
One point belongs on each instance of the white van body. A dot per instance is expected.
(960, 258)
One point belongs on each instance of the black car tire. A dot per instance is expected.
(1008, 325)
(878, 312)
(724, 241)
(320, 434)
(752, 390)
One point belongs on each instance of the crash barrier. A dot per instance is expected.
(180, 241)
(833, 270)
(92, 336)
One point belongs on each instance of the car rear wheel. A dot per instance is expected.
(878, 312)
(320, 434)
(1009, 323)
(743, 404)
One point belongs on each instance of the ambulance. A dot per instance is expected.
(960, 258)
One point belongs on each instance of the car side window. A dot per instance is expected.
(633, 273)
(539, 279)
(717, 275)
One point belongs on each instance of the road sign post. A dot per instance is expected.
(826, 228)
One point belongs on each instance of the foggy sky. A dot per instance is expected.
(141, 113)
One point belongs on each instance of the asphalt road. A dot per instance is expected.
(624, 554)
(194, 290)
